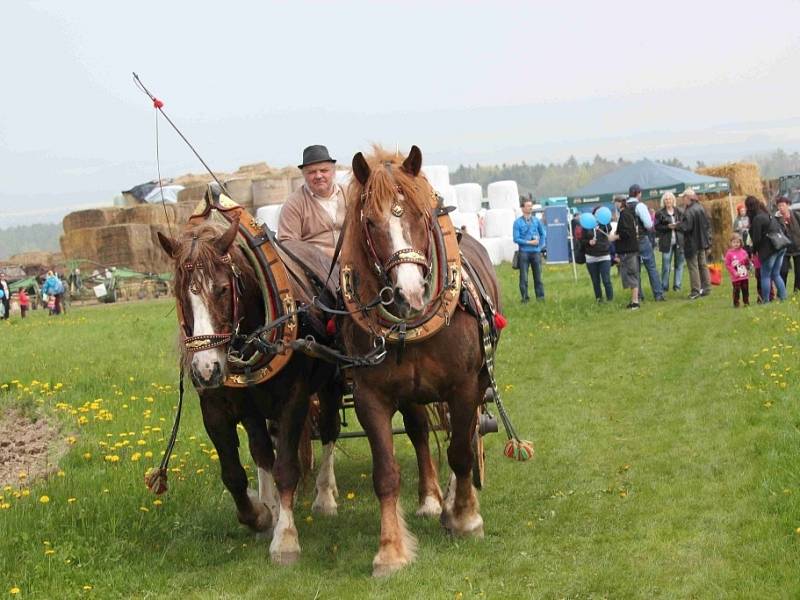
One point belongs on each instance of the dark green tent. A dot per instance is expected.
(654, 178)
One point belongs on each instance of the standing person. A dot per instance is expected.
(24, 302)
(761, 223)
(670, 240)
(6, 296)
(737, 261)
(596, 247)
(626, 242)
(741, 225)
(53, 289)
(696, 242)
(531, 238)
(314, 213)
(646, 255)
(790, 220)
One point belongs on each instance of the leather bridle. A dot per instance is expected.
(199, 343)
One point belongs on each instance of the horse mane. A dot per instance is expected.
(380, 190)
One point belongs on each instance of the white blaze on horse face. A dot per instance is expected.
(408, 277)
(204, 362)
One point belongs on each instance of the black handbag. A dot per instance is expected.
(515, 260)
(777, 238)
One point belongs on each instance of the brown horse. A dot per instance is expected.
(218, 293)
(388, 254)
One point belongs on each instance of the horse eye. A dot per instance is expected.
(220, 290)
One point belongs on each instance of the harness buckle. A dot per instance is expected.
(386, 295)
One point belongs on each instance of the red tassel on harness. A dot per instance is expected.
(330, 328)
(157, 103)
(500, 321)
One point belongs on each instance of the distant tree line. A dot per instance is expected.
(559, 179)
(29, 238)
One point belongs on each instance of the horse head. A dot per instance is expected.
(209, 269)
(393, 204)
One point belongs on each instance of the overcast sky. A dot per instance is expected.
(466, 81)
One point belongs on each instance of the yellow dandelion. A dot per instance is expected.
(157, 502)
(136, 456)
(71, 439)
(144, 509)
(309, 519)
(49, 552)
(87, 455)
(71, 500)
(5, 506)
(200, 471)
(22, 475)
(112, 458)
(148, 454)
(61, 474)
(14, 591)
(350, 495)
(44, 499)
(87, 588)
(26, 493)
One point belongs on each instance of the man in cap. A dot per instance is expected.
(627, 248)
(696, 242)
(646, 255)
(315, 212)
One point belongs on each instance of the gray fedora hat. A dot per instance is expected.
(315, 154)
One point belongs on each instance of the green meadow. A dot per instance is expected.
(667, 464)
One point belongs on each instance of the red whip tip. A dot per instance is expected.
(157, 103)
(500, 321)
(330, 327)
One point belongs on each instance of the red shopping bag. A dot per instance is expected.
(715, 273)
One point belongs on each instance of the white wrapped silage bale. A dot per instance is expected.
(508, 248)
(438, 176)
(499, 222)
(269, 215)
(494, 247)
(503, 194)
(469, 219)
(448, 194)
(470, 196)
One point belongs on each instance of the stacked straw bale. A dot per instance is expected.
(745, 178)
(720, 213)
(93, 217)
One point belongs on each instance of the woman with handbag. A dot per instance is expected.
(770, 243)
(790, 220)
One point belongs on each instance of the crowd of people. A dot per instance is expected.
(50, 294)
(764, 245)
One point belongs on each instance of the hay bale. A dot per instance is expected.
(80, 243)
(721, 212)
(192, 194)
(192, 179)
(92, 217)
(147, 214)
(127, 245)
(241, 191)
(271, 190)
(25, 259)
(745, 178)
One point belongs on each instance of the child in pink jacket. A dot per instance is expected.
(738, 264)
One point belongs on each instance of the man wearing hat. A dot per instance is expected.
(315, 212)
(696, 242)
(647, 256)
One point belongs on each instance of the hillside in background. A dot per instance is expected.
(29, 238)
(554, 179)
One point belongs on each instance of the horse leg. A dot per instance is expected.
(285, 546)
(397, 545)
(415, 419)
(327, 492)
(460, 513)
(263, 454)
(221, 427)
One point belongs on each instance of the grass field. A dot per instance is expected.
(667, 465)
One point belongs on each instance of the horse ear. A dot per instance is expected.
(413, 162)
(360, 168)
(224, 242)
(169, 245)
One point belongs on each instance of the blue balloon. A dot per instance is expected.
(588, 221)
(603, 215)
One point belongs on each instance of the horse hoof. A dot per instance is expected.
(326, 510)
(430, 507)
(285, 559)
(261, 519)
(385, 569)
(470, 528)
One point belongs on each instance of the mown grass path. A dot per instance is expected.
(667, 465)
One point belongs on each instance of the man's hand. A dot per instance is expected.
(533, 242)
(592, 242)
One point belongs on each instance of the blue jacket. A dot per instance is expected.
(525, 231)
(52, 286)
